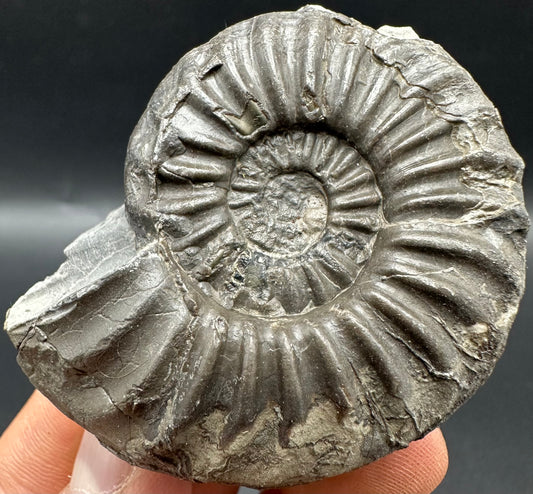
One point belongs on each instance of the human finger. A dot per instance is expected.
(97, 470)
(37, 450)
(417, 469)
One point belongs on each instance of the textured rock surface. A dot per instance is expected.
(319, 260)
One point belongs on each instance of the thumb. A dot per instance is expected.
(97, 470)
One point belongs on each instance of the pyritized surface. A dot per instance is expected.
(319, 260)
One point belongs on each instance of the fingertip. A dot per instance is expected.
(38, 448)
(148, 482)
(433, 454)
(417, 469)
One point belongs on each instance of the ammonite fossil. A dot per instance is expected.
(319, 259)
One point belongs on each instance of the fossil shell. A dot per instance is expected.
(319, 259)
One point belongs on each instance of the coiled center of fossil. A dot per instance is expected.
(288, 217)
(280, 229)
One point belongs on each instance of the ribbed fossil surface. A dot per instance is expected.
(319, 259)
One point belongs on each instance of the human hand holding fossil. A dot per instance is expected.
(40, 449)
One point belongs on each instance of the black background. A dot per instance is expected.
(75, 77)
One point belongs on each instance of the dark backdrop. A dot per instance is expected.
(76, 75)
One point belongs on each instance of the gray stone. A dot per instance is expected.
(320, 256)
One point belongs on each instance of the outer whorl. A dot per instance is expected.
(319, 260)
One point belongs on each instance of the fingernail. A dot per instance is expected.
(97, 470)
